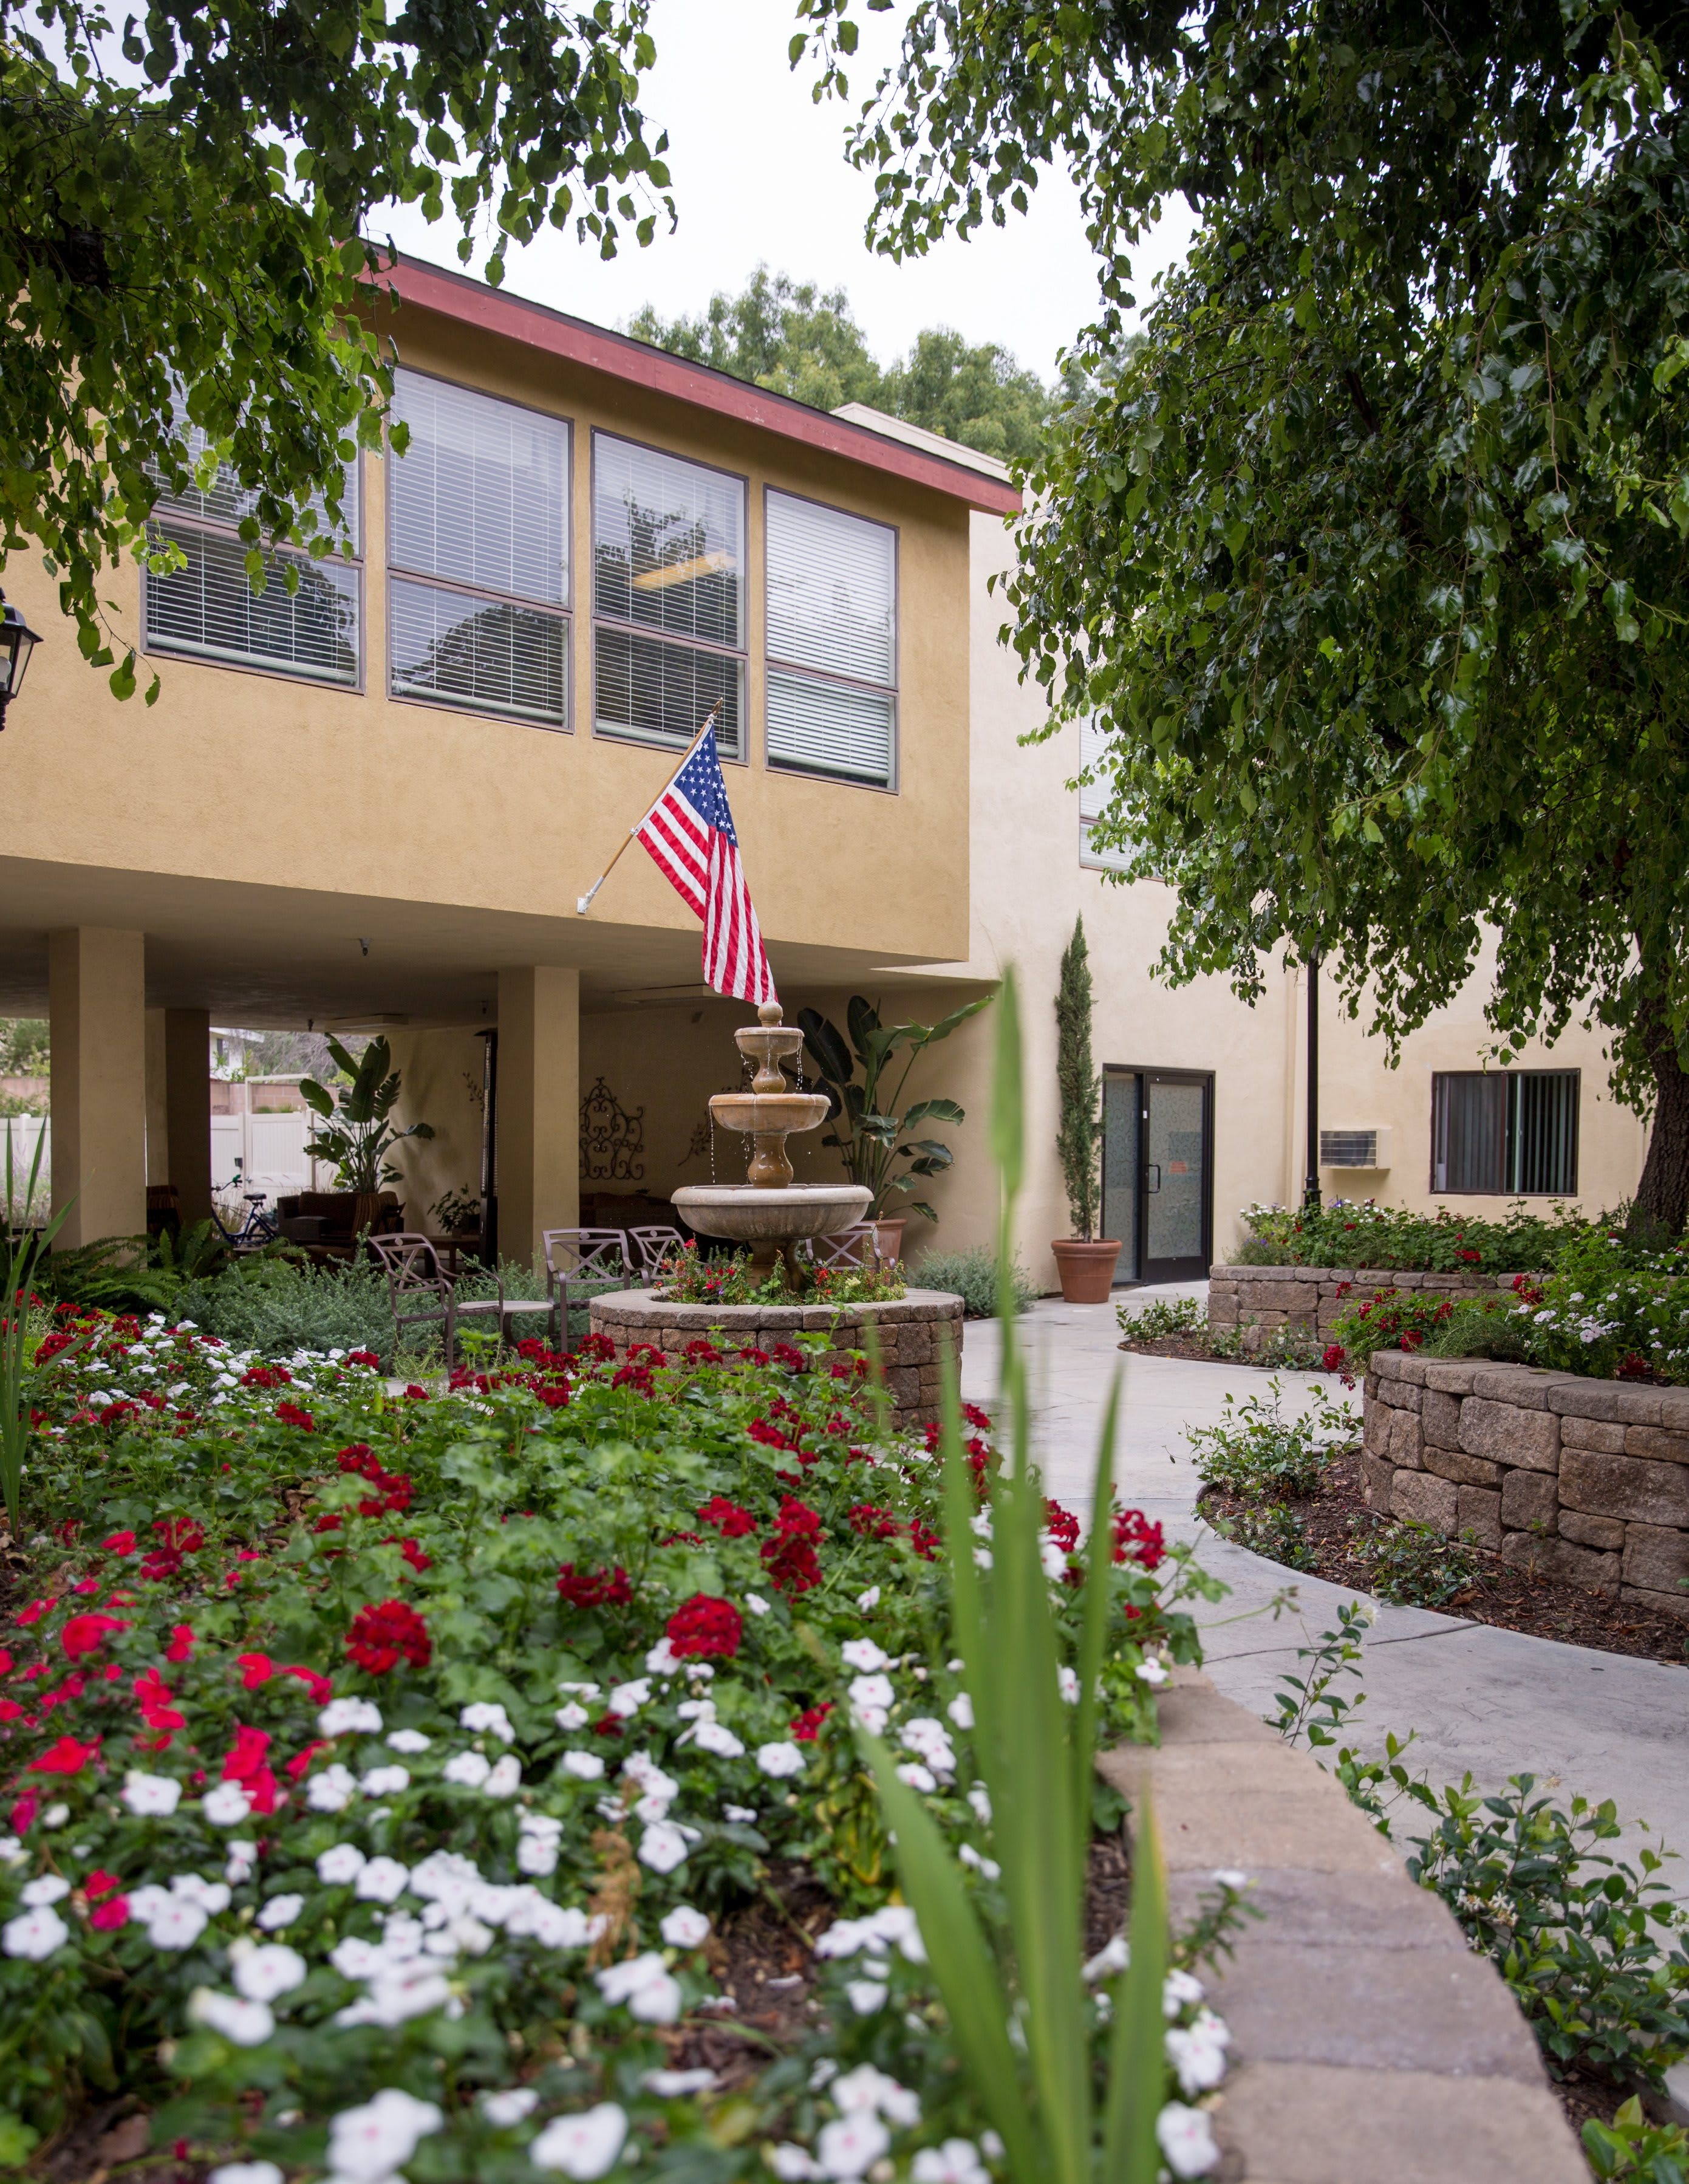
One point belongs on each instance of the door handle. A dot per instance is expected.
(1150, 1189)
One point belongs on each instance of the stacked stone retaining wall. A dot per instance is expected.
(1257, 1298)
(1584, 1480)
(912, 1332)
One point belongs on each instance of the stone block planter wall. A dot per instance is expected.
(1585, 1480)
(1368, 2041)
(911, 1331)
(1262, 1297)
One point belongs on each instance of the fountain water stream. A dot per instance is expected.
(768, 1211)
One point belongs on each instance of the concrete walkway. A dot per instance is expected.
(1490, 1702)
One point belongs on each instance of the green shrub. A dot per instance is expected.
(1591, 1949)
(1163, 1316)
(1631, 2150)
(1274, 1531)
(1482, 1327)
(1388, 1319)
(1340, 1235)
(278, 1306)
(972, 1276)
(1257, 1452)
(1413, 1565)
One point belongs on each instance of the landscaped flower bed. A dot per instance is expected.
(389, 1777)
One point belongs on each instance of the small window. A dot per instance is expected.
(303, 623)
(1093, 795)
(668, 597)
(832, 641)
(478, 545)
(1507, 1133)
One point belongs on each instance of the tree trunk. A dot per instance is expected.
(1663, 1194)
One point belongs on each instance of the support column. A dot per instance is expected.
(539, 1107)
(97, 1002)
(157, 1126)
(187, 1110)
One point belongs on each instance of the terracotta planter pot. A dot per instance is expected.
(1086, 1270)
(888, 1238)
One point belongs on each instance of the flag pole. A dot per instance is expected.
(584, 903)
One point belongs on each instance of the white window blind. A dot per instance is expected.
(452, 647)
(1093, 797)
(832, 641)
(226, 503)
(668, 595)
(207, 609)
(479, 497)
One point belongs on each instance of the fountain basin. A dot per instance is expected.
(765, 1114)
(743, 1214)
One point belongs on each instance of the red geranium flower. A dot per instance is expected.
(120, 1543)
(583, 1588)
(732, 1522)
(256, 1668)
(808, 1726)
(381, 1637)
(86, 1634)
(1062, 1526)
(705, 1625)
(290, 1414)
(181, 1647)
(1137, 1540)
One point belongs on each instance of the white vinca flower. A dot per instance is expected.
(1185, 2137)
(151, 1796)
(585, 1766)
(647, 1987)
(781, 1760)
(712, 1737)
(793, 2164)
(349, 1718)
(662, 1847)
(584, 2146)
(246, 2024)
(626, 1699)
(270, 1970)
(370, 2142)
(468, 1770)
(280, 1911)
(34, 1935)
(486, 1715)
(51, 1888)
(866, 1996)
(506, 1778)
(510, 2107)
(381, 1880)
(571, 1717)
(331, 1791)
(245, 2172)
(684, 1928)
(410, 1741)
(384, 1781)
(956, 2162)
(863, 1654)
(757, 1604)
(849, 2147)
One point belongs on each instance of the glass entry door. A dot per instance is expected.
(1158, 1191)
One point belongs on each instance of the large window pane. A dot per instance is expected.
(489, 654)
(661, 693)
(668, 543)
(1542, 1133)
(228, 502)
(1468, 1131)
(208, 608)
(481, 495)
(1093, 796)
(829, 728)
(832, 591)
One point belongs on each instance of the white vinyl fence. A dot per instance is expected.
(23, 1133)
(271, 1151)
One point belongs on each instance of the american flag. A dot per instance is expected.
(689, 831)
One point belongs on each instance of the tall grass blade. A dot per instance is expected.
(1130, 2154)
(1099, 1561)
(24, 1255)
(961, 1961)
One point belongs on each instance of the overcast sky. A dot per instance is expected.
(760, 175)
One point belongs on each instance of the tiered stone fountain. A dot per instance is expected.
(774, 1215)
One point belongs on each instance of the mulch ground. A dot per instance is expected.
(1336, 1519)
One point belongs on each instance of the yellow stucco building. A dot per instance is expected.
(373, 803)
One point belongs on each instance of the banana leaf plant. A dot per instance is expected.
(867, 1128)
(1015, 1990)
(355, 1132)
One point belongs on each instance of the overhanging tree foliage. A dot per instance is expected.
(181, 202)
(1370, 557)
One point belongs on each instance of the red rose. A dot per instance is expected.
(705, 1625)
(381, 1637)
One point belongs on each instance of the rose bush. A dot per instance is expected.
(378, 1766)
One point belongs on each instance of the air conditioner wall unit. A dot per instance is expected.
(1356, 1148)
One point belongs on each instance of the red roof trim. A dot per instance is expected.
(455, 296)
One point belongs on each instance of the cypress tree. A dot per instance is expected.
(1078, 1134)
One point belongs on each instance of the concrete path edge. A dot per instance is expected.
(1368, 2040)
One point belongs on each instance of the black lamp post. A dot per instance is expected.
(1310, 1187)
(17, 642)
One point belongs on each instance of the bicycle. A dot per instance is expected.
(260, 1226)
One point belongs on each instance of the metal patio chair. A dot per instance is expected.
(855, 1246)
(422, 1295)
(578, 1255)
(653, 1245)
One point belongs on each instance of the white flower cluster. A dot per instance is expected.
(869, 2103)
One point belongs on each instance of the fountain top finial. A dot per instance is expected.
(768, 1012)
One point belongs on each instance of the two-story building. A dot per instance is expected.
(372, 801)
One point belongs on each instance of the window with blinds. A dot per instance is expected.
(668, 596)
(478, 552)
(305, 620)
(1510, 1132)
(1093, 797)
(831, 642)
